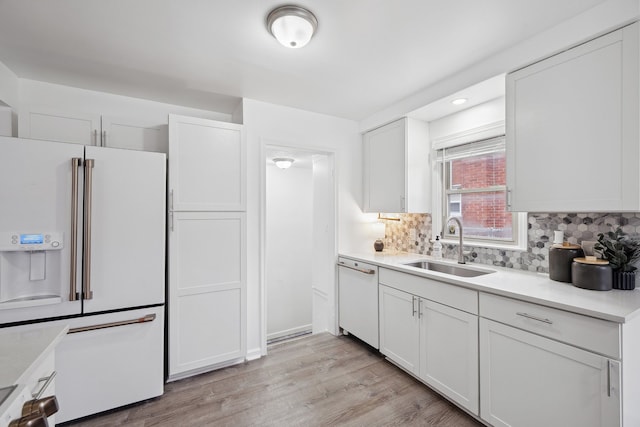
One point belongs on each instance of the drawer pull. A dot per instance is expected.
(46, 381)
(539, 319)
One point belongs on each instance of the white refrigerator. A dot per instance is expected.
(82, 242)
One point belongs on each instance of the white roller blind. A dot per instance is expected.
(477, 148)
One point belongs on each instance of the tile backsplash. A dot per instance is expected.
(576, 228)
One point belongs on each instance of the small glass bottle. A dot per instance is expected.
(437, 248)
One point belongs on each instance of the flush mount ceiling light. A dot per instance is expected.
(292, 26)
(459, 101)
(283, 162)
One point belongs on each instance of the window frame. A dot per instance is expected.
(440, 193)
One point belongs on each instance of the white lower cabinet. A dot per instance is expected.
(449, 352)
(530, 380)
(435, 342)
(207, 292)
(399, 328)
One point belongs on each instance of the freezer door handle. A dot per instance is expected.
(88, 187)
(73, 278)
(147, 318)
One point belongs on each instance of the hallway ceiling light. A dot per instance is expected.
(459, 101)
(292, 26)
(283, 162)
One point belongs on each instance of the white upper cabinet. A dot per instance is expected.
(59, 126)
(207, 165)
(573, 129)
(135, 134)
(93, 129)
(396, 168)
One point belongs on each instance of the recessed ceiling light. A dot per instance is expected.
(459, 101)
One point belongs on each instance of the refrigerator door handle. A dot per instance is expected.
(88, 190)
(75, 164)
(147, 318)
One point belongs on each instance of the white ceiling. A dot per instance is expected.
(366, 55)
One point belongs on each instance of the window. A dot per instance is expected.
(473, 178)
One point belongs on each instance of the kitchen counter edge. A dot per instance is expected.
(617, 306)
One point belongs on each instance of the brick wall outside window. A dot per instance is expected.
(484, 214)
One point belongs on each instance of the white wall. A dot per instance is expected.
(8, 86)
(69, 99)
(273, 124)
(489, 116)
(324, 216)
(593, 22)
(288, 245)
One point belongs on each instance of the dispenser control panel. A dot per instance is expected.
(40, 241)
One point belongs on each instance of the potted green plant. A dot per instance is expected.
(622, 251)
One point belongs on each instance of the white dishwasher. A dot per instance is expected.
(358, 299)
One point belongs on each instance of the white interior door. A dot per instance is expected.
(144, 135)
(207, 296)
(207, 165)
(127, 229)
(36, 198)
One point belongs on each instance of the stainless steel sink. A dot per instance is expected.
(455, 270)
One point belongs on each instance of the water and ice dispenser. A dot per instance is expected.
(30, 265)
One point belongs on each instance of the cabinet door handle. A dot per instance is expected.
(539, 319)
(508, 199)
(104, 138)
(413, 306)
(608, 378)
(402, 204)
(613, 378)
(419, 308)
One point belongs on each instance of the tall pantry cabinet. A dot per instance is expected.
(207, 245)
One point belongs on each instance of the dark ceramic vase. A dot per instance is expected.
(625, 280)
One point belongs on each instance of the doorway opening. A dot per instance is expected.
(299, 244)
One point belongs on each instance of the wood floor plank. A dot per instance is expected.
(317, 380)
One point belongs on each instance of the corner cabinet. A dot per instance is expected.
(424, 330)
(576, 114)
(396, 168)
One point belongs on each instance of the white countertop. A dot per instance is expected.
(21, 352)
(615, 305)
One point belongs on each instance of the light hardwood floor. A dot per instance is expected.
(317, 380)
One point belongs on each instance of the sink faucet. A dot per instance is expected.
(460, 251)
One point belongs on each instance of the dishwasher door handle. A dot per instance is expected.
(361, 270)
